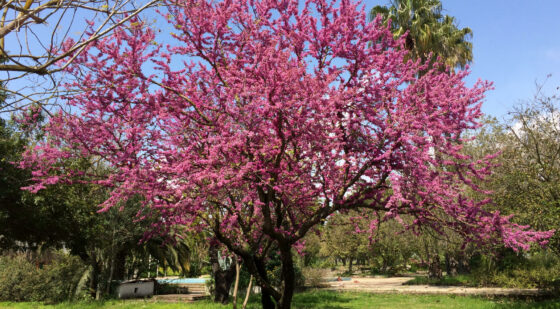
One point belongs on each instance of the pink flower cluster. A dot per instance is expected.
(280, 114)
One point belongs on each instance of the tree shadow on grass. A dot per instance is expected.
(529, 304)
(545, 301)
(322, 299)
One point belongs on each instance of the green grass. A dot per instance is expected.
(322, 299)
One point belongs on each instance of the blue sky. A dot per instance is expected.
(515, 43)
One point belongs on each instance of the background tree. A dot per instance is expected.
(522, 183)
(392, 247)
(11, 180)
(526, 180)
(429, 31)
(282, 115)
(65, 216)
(311, 254)
(341, 240)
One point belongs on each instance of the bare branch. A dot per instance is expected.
(30, 53)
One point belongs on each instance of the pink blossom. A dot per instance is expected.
(273, 122)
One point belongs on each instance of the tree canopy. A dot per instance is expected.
(262, 119)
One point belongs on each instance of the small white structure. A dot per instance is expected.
(136, 288)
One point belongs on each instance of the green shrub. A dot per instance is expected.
(314, 277)
(22, 279)
(540, 269)
(59, 279)
(413, 268)
(14, 273)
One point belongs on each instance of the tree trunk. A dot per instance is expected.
(350, 265)
(236, 285)
(223, 278)
(120, 263)
(149, 264)
(434, 270)
(288, 278)
(463, 267)
(266, 297)
(112, 264)
(94, 282)
(248, 293)
(111, 271)
(98, 291)
(451, 265)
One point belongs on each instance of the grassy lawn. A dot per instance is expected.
(321, 299)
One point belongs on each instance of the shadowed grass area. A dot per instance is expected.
(459, 280)
(322, 299)
(334, 300)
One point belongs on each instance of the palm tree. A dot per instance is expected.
(176, 256)
(429, 31)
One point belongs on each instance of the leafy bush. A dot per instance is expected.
(14, 272)
(506, 269)
(22, 279)
(539, 270)
(314, 276)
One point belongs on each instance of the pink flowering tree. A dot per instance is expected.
(263, 118)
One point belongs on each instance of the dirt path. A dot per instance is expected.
(395, 285)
